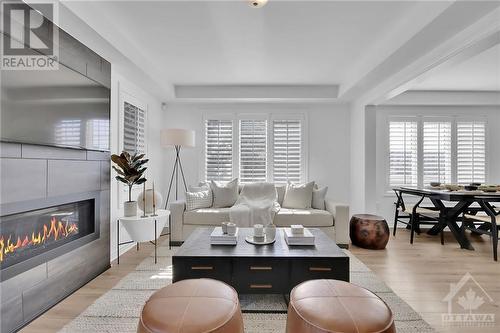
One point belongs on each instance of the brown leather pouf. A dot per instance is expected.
(369, 231)
(321, 306)
(192, 306)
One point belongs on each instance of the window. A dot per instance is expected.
(253, 151)
(437, 152)
(133, 129)
(255, 148)
(287, 150)
(403, 151)
(219, 150)
(471, 152)
(425, 149)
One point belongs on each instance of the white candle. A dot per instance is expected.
(258, 230)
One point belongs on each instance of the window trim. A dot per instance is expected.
(236, 117)
(125, 96)
(420, 119)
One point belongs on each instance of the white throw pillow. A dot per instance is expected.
(199, 199)
(281, 190)
(318, 198)
(298, 195)
(225, 194)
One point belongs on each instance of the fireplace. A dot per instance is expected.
(35, 235)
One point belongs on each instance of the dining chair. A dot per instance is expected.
(414, 215)
(490, 222)
(422, 215)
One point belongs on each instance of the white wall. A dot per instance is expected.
(384, 201)
(128, 77)
(328, 139)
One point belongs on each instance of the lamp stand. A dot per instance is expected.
(175, 173)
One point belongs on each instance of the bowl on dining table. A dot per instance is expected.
(470, 188)
(435, 184)
(475, 184)
(490, 189)
(452, 187)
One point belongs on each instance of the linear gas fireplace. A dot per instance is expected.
(35, 235)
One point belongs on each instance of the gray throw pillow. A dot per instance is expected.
(225, 194)
(318, 197)
(298, 195)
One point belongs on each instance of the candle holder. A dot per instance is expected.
(144, 201)
(154, 201)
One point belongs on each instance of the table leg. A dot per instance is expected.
(448, 217)
(169, 232)
(137, 246)
(118, 242)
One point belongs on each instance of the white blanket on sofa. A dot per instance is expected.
(256, 204)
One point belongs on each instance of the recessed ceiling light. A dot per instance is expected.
(257, 3)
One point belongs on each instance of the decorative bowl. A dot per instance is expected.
(470, 187)
(435, 184)
(452, 187)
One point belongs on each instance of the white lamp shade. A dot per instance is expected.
(177, 137)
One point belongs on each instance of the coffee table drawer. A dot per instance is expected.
(260, 275)
(311, 269)
(217, 269)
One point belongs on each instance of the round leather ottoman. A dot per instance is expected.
(192, 306)
(369, 231)
(320, 306)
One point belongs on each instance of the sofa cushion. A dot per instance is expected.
(224, 194)
(306, 217)
(298, 195)
(206, 216)
(318, 198)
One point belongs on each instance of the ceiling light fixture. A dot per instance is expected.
(257, 3)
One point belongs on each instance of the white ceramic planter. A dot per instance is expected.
(130, 208)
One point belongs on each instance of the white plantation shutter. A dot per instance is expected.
(471, 152)
(219, 150)
(403, 151)
(253, 151)
(287, 150)
(436, 152)
(133, 129)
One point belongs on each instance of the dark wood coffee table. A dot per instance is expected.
(270, 269)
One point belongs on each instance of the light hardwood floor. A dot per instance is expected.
(420, 274)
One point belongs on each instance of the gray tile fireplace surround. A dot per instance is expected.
(28, 173)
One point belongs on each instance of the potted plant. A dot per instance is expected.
(130, 169)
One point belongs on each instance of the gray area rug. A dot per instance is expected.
(118, 310)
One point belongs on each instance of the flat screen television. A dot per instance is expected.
(54, 107)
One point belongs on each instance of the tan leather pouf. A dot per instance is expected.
(320, 306)
(192, 306)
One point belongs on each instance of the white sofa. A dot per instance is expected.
(334, 221)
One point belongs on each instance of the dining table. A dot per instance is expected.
(458, 202)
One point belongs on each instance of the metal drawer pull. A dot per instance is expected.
(261, 268)
(202, 268)
(261, 286)
(320, 269)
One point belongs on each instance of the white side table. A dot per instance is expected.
(144, 229)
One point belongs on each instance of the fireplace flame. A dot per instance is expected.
(56, 230)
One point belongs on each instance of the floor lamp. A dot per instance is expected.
(177, 138)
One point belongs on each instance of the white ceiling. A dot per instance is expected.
(286, 43)
(479, 73)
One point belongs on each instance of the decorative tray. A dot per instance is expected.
(260, 241)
